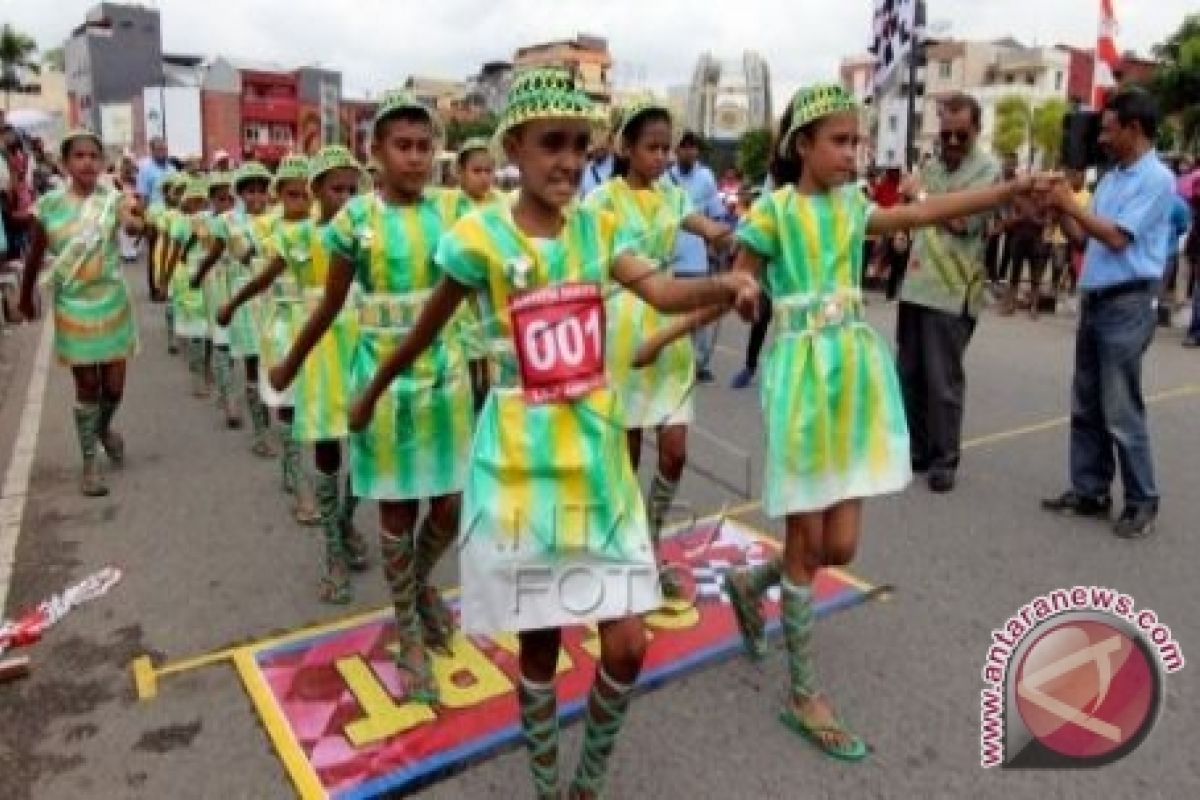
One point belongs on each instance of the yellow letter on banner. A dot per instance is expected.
(675, 615)
(486, 679)
(382, 715)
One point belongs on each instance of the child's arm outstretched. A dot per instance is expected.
(215, 251)
(673, 295)
(438, 310)
(257, 285)
(749, 263)
(711, 231)
(947, 207)
(176, 252)
(337, 287)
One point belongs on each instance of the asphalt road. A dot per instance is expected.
(211, 558)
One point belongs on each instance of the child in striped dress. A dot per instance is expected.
(550, 491)
(476, 182)
(173, 188)
(833, 416)
(213, 238)
(183, 260)
(321, 391)
(75, 229)
(248, 227)
(659, 396)
(382, 246)
(282, 315)
(153, 218)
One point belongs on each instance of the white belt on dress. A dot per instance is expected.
(808, 313)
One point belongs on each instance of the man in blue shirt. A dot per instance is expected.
(1126, 234)
(152, 170)
(690, 258)
(599, 167)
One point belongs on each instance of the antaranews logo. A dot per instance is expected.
(1073, 679)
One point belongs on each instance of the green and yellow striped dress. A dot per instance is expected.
(216, 284)
(468, 322)
(162, 246)
(282, 313)
(191, 312)
(321, 392)
(553, 528)
(661, 393)
(243, 260)
(93, 314)
(417, 443)
(833, 415)
(153, 221)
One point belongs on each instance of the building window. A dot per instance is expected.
(1058, 81)
(893, 123)
(1031, 80)
(253, 134)
(945, 69)
(281, 134)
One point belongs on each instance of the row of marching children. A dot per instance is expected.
(356, 311)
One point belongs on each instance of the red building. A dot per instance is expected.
(1082, 66)
(270, 110)
(355, 123)
(222, 115)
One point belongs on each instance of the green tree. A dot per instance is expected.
(17, 51)
(1048, 130)
(1014, 119)
(1176, 83)
(754, 155)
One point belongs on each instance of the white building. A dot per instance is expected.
(988, 71)
(729, 98)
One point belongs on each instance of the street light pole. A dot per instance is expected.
(915, 53)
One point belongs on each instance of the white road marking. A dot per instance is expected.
(16, 479)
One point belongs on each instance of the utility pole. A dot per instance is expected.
(916, 54)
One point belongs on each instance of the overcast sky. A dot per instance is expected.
(654, 42)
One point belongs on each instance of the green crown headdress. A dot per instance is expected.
(195, 189)
(473, 144)
(813, 103)
(292, 168)
(219, 179)
(545, 93)
(250, 171)
(395, 100)
(329, 158)
(639, 108)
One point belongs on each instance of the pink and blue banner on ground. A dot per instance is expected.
(328, 696)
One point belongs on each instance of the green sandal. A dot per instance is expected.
(417, 672)
(335, 587)
(437, 620)
(854, 750)
(673, 587)
(748, 615)
(355, 548)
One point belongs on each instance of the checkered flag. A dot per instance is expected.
(895, 30)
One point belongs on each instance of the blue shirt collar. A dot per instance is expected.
(1141, 164)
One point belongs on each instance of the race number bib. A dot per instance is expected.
(558, 337)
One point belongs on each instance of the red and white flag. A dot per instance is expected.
(1108, 60)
